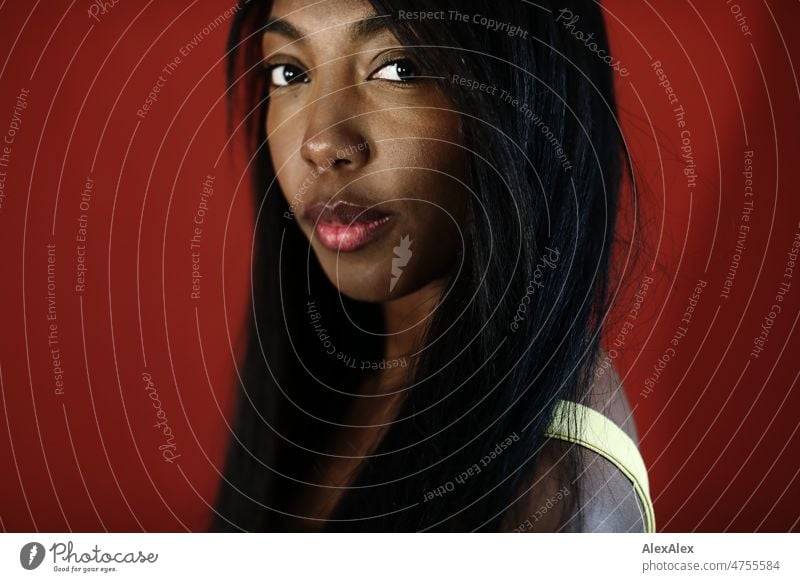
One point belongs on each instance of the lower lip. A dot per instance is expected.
(349, 238)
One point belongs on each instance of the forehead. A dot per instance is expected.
(312, 16)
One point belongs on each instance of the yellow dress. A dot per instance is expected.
(603, 436)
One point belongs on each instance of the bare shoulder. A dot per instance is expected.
(607, 395)
(608, 501)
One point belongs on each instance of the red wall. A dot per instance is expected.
(718, 428)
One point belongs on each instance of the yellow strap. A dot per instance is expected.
(603, 436)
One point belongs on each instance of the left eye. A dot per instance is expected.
(401, 70)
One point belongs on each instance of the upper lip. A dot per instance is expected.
(343, 212)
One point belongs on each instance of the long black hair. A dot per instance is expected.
(521, 326)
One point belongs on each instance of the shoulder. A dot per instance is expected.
(607, 500)
(607, 395)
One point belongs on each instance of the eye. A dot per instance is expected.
(398, 70)
(283, 75)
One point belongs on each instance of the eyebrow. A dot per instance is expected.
(359, 30)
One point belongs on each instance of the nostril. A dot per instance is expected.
(327, 153)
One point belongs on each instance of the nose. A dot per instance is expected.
(333, 140)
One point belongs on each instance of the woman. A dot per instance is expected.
(436, 192)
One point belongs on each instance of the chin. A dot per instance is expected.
(386, 269)
(368, 282)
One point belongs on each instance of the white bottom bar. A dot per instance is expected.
(400, 557)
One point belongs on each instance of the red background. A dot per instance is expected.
(718, 431)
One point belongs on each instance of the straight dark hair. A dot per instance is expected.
(520, 327)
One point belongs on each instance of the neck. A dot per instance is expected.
(406, 321)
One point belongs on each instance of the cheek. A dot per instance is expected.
(439, 190)
(430, 171)
(436, 210)
(283, 147)
(449, 187)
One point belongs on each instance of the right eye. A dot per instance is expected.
(283, 75)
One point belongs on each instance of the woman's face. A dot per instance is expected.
(367, 155)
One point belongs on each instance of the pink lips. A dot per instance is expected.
(346, 227)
